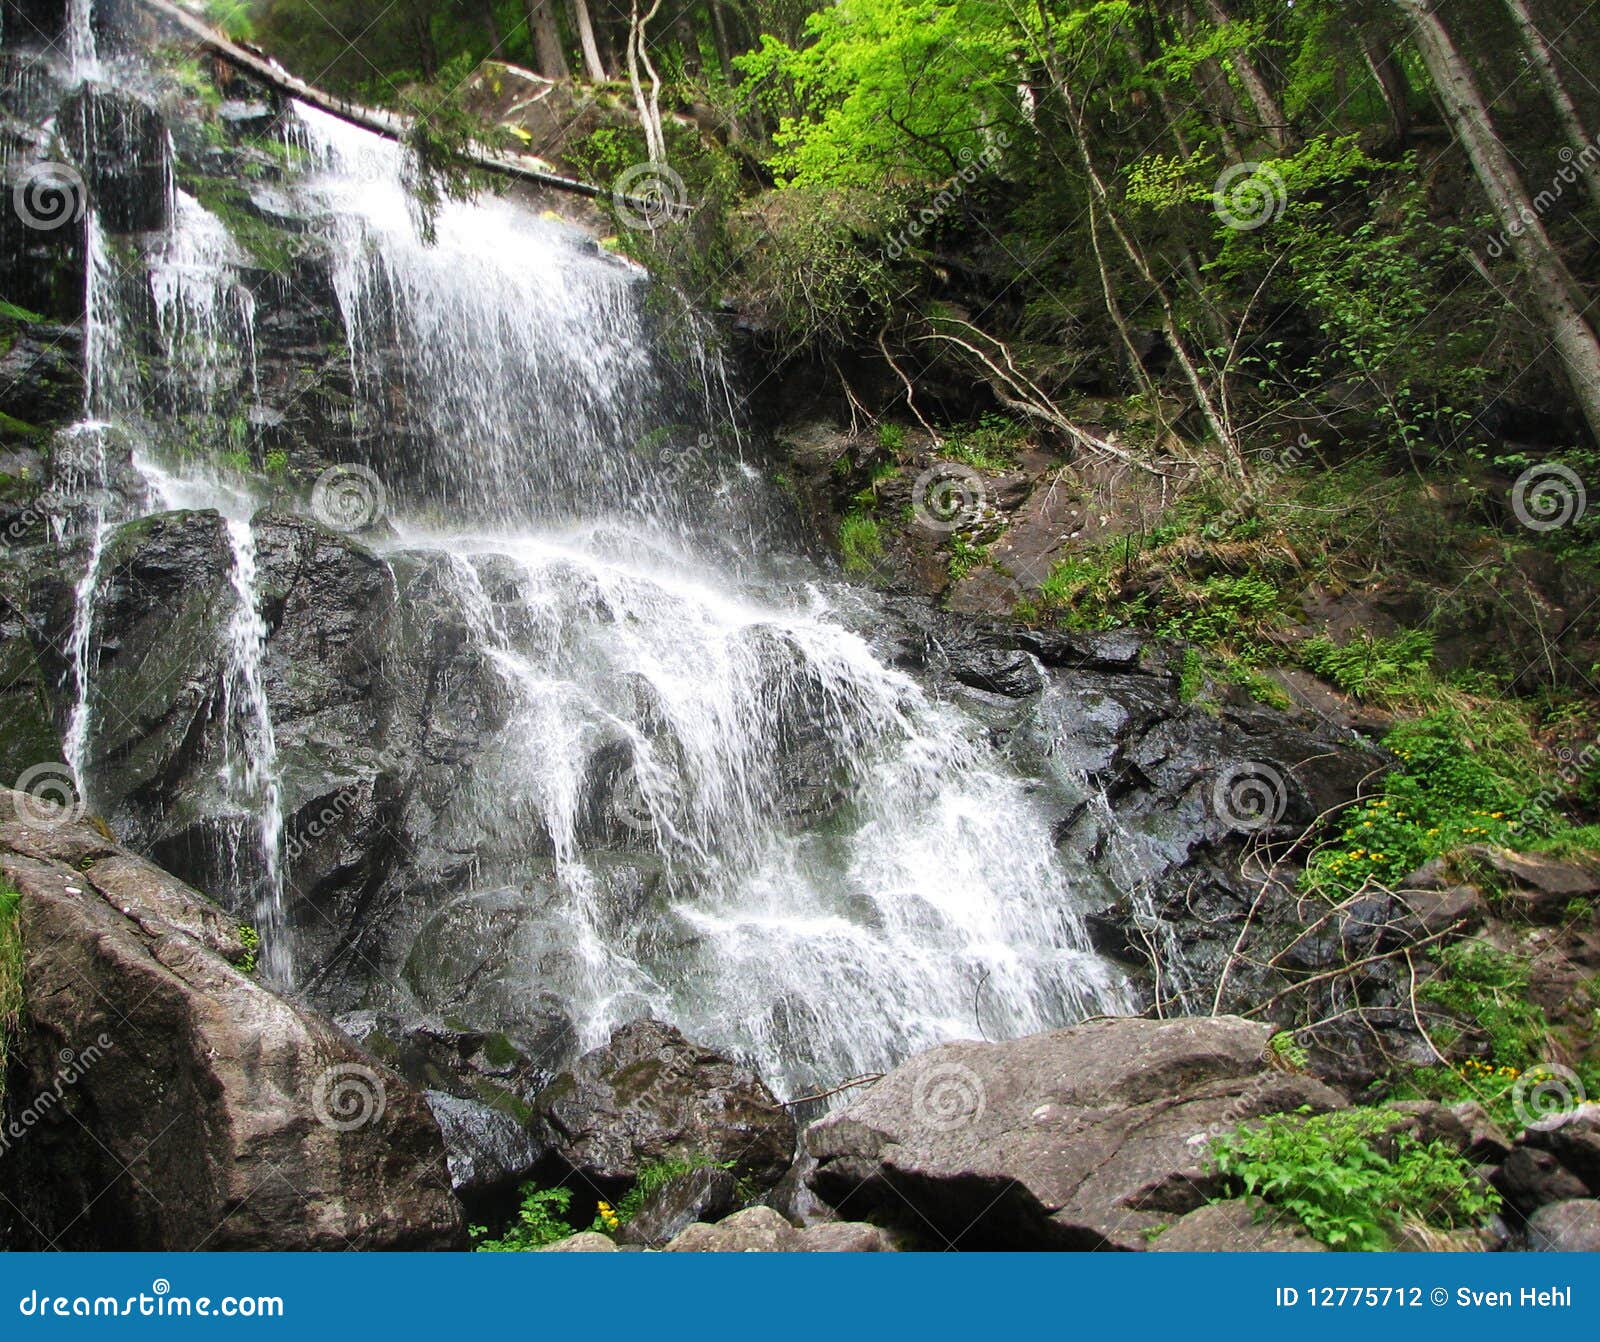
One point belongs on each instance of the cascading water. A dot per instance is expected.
(841, 869)
(701, 794)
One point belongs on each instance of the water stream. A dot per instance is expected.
(704, 795)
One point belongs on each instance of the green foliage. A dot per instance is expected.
(233, 18)
(860, 542)
(1489, 987)
(887, 90)
(1463, 779)
(11, 999)
(992, 444)
(541, 1220)
(1370, 667)
(965, 556)
(1232, 610)
(653, 1177)
(251, 940)
(1350, 1179)
(891, 437)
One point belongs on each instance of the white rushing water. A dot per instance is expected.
(702, 794)
(904, 891)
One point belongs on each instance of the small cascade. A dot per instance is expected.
(82, 56)
(75, 742)
(250, 760)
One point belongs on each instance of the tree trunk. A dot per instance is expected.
(583, 23)
(548, 55)
(719, 36)
(1543, 57)
(1268, 108)
(1392, 84)
(1555, 292)
(639, 60)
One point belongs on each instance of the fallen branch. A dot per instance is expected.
(864, 1080)
(380, 121)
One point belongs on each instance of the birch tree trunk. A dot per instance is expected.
(583, 23)
(1555, 293)
(1543, 57)
(1268, 108)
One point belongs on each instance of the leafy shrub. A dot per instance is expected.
(1350, 1181)
(1462, 781)
(541, 1220)
(1367, 666)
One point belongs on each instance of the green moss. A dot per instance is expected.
(11, 1000)
(860, 542)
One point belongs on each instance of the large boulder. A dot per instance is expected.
(162, 1098)
(1573, 1138)
(1239, 1225)
(1566, 1227)
(762, 1230)
(1089, 1138)
(650, 1096)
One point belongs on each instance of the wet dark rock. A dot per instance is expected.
(489, 1150)
(1573, 1138)
(649, 1096)
(261, 1125)
(41, 386)
(1530, 1178)
(704, 1195)
(120, 145)
(1085, 1138)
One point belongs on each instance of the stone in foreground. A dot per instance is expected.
(164, 1099)
(1090, 1138)
(651, 1096)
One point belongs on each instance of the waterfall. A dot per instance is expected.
(700, 792)
(82, 56)
(840, 869)
(251, 775)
